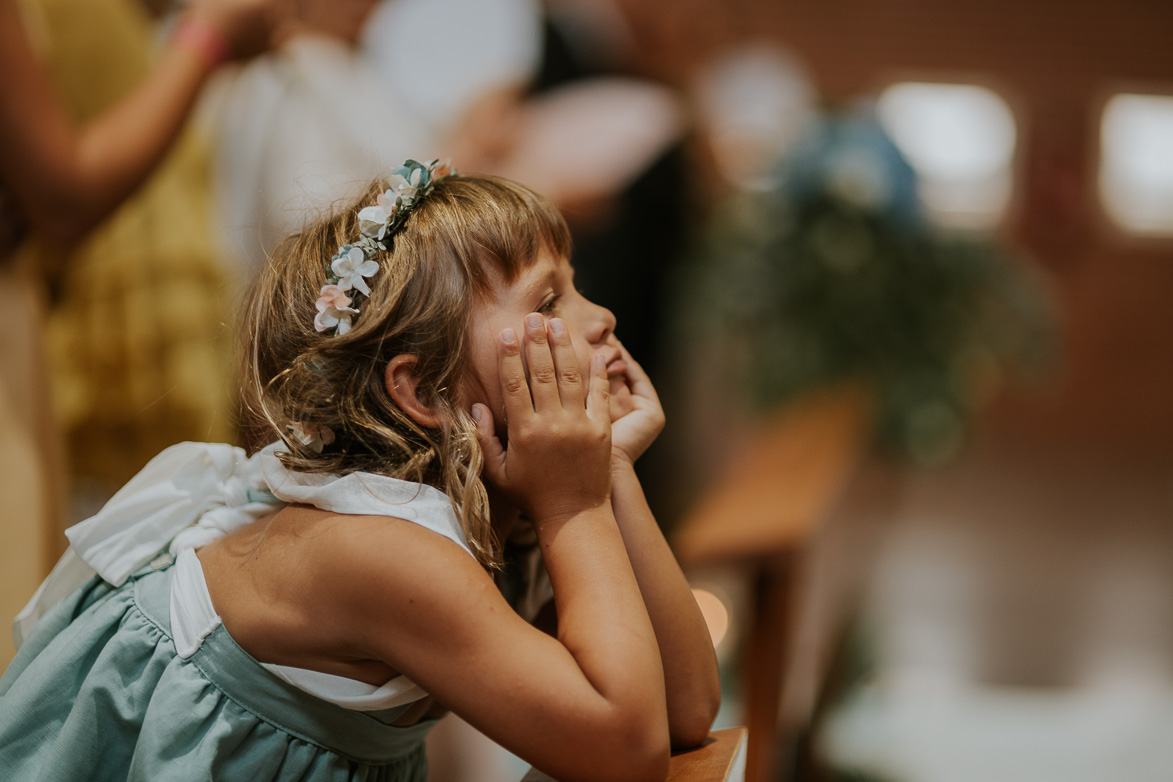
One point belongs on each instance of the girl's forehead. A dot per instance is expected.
(531, 282)
(545, 264)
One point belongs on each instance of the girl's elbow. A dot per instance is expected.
(644, 751)
(693, 719)
(691, 729)
(649, 764)
(655, 768)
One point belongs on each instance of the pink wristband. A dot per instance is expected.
(203, 40)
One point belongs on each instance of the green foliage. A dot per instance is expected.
(807, 287)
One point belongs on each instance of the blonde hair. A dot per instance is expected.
(467, 232)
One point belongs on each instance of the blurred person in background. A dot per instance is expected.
(85, 118)
(359, 87)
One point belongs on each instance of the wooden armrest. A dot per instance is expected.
(720, 759)
(780, 487)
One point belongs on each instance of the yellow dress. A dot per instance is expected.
(137, 336)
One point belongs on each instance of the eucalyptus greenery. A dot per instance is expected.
(833, 274)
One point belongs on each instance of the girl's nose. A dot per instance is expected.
(601, 324)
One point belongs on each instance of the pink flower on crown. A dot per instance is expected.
(312, 436)
(443, 168)
(334, 310)
(374, 221)
(351, 267)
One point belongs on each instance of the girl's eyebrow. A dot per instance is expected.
(538, 285)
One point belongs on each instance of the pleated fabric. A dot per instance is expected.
(97, 693)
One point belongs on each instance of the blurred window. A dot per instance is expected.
(1136, 163)
(960, 139)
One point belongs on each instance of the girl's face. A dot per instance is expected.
(546, 287)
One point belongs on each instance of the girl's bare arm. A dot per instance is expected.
(587, 705)
(686, 650)
(690, 665)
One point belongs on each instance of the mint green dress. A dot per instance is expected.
(97, 692)
(103, 689)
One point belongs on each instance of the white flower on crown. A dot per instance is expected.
(374, 220)
(351, 266)
(334, 309)
(312, 436)
(407, 187)
(354, 262)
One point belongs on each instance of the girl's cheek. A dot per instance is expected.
(473, 390)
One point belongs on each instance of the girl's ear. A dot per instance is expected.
(402, 383)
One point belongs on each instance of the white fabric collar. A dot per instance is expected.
(192, 493)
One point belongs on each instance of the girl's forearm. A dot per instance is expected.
(686, 651)
(602, 619)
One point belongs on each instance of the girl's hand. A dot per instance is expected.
(636, 423)
(559, 429)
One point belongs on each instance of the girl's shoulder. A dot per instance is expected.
(312, 584)
(384, 546)
(374, 558)
(368, 562)
(370, 553)
(387, 584)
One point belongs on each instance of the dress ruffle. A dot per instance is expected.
(140, 712)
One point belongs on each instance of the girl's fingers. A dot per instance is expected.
(599, 393)
(543, 380)
(570, 380)
(490, 444)
(512, 372)
(641, 384)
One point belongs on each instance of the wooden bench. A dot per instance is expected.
(720, 759)
(759, 518)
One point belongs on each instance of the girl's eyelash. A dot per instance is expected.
(548, 304)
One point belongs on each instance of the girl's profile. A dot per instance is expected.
(435, 393)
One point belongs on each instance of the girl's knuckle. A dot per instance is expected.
(544, 375)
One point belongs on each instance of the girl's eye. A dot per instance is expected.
(549, 305)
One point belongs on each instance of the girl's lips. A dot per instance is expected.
(617, 366)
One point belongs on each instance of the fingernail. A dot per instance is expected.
(508, 336)
(598, 359)
(533, 320)
(557, 326)
(477, 413)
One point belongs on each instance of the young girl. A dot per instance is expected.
(439, 387)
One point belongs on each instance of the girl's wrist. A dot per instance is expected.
(203, 39)
(551, 520)
(621, 461)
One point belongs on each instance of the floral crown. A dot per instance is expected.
(353, 263)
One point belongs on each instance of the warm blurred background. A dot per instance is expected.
(901, 271)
